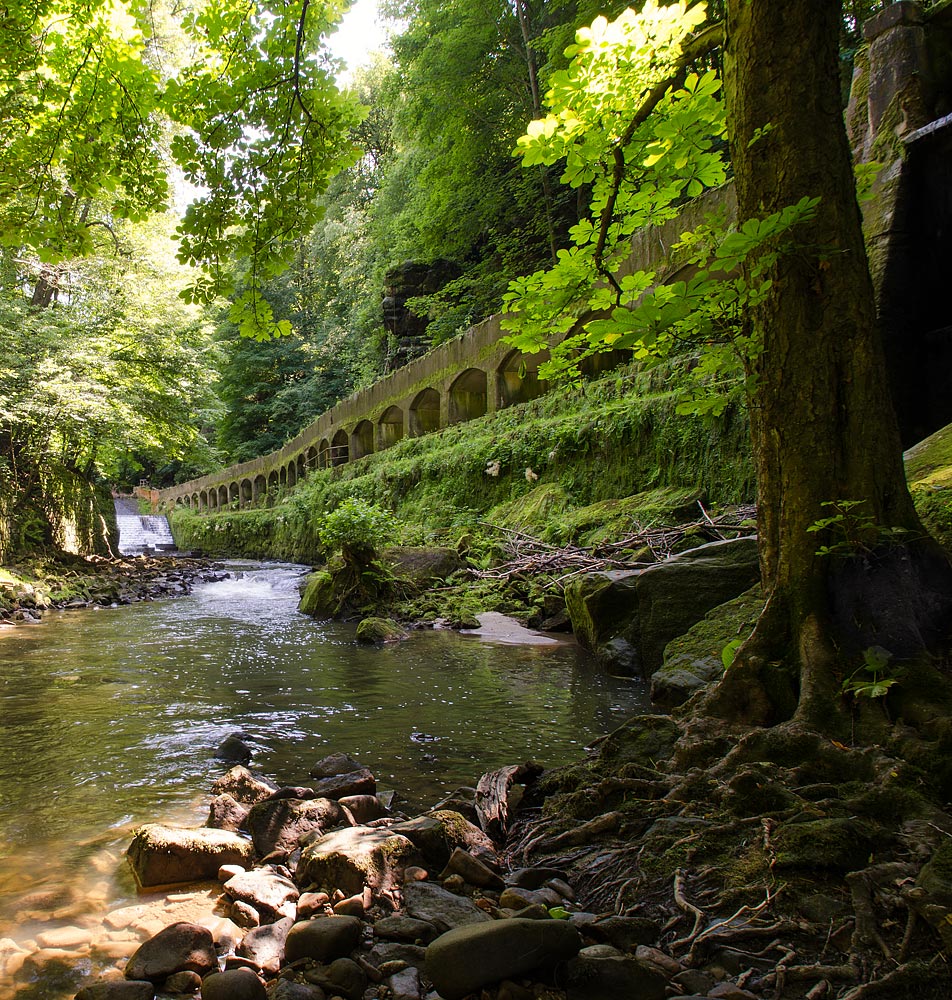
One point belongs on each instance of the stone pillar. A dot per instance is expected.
(891, 94)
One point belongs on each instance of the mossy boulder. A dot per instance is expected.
(695, 658)
(420, 565)
(936, 876)
(834, 844)
(373, 630)
(608, 520)
(929, 472)
(626, 618)
(318, 598)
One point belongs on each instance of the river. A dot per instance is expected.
(111, 718)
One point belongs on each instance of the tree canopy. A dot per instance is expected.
(108, 106)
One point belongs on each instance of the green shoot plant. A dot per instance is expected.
(874, 677)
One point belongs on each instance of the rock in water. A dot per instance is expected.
(466, 959)
(177, 948)
(243, 786)
(119, 990)
(235, 747)
(168, 855)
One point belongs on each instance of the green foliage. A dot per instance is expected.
(729, 652)
(103, 99)
(644, 134)
(874, 678)
(851, 529)
(356, 526)
(589, 446)
(115, 375)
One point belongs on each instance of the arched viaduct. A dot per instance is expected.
(908, 242)
(460, 380)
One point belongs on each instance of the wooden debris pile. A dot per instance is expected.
(527, 556)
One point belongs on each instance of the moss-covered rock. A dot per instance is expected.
(318, 598)
(834, 844)
(626, 618)
(421, 565)
(929, 472)
(696, 658)
(373, 630)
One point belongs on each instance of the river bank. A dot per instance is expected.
(634, 872)
(62, 581)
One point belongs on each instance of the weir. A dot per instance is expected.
(139, 533)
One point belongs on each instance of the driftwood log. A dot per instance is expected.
(496, 800)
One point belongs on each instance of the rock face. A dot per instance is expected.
(360, 856)
(168, 855)
(279, 824)
(178, 948)
(402, 282)
(464, 960)
(626, 618)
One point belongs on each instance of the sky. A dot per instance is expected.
(361, 33)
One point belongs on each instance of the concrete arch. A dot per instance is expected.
(291, 473)
(260, 487)
(362, 440)
(246, 493)
(324, 454)
(300, 468)
(424, 413)
(340, 448)
(222, 497)
(467, 396)
(196, 504)
(597, 364)
(310, 458)
(234, 494)
(390, 427)
(203, 500)
(517, 378)
(274, 486)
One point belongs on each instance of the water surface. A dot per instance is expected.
(111, 718)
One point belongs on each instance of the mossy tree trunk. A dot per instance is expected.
(823, 426)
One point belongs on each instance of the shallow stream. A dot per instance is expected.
(111, 718)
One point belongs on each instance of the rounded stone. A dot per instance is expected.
(233, 984)
(323, 938)
(464, 960)
(183, 982)
(177, 948)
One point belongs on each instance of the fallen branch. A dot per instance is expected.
(526, 555)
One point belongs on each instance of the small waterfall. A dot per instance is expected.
(141, 532)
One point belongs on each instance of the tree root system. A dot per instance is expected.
(776, 864)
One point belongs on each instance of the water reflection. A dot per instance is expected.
(110, 718)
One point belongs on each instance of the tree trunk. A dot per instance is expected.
(823, 428)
